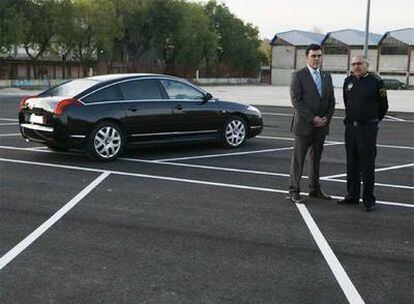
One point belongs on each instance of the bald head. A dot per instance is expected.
(359, 66)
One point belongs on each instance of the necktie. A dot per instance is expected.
(318, 82)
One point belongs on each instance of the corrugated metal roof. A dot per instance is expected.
(298, 38)
(404, 35)
(354, 37)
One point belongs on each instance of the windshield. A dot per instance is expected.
(70, 88)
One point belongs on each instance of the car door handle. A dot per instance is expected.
(179, 107)
(133, 108)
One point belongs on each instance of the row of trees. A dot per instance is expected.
(178, 33)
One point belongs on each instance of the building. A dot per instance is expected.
(396, 58)
(390, 55)
(288, 53)
(340, 46)
(17, 65)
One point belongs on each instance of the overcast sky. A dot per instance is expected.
(275, 16)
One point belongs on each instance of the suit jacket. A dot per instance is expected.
(308, 103)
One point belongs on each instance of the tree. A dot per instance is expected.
(238, 43)
(11, 25)
(95, 28)
(38, 24)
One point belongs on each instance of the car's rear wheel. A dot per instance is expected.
(106, 141)
(234, 133)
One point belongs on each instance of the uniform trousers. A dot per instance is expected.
(361, 150)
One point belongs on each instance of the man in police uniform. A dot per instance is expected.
(366, 103)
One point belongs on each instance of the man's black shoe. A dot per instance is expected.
(319, 194)
(369, 207)
(347, 201)
(295, 198)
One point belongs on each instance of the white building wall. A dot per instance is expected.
(393, 63)
(412, 61)
(282, 77)
(283, 57)
(300, 59)
(335, 62)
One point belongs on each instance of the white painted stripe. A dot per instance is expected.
(192, 181)
(387, 117)
(335, 142)
(9, 123)
(394, 167)
(36, 148)
(394, 118)
(10, 134)
(395, 147)
(341, 276)
(9, 119)
(16, 250)
(276, 137)
(376, 170)
(376, 184)
(327, 178)
(206, 167)
(224, 154)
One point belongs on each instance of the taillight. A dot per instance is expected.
(23, 102)
(61, 105)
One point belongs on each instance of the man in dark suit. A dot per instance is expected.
(313, 100)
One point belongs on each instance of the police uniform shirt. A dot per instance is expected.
(365, 98)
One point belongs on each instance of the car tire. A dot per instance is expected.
(234, 133)
(106, 141)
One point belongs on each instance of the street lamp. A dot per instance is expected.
(367, 30)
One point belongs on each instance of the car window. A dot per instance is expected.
(140, 89)
(179, 90)
(70, 88)
(111, 93)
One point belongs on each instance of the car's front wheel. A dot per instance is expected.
(234, 133)
(106, 141)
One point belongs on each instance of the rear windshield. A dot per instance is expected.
(70, 88)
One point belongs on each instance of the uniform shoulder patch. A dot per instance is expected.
(383, 92)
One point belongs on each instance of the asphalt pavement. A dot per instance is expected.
(196, 223)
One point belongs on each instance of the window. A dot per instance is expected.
(336, 50)
(179, 90)
(70, 88)
(394, 50)
(107, 94)
(141, 89)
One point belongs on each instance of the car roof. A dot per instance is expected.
(116, 77)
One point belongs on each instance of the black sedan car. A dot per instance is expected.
(103, 114)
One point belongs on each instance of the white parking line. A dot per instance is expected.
(376, 170)
(9, 123)
(341, 276)
(184, 180)
(10, 134)
(224, 154)
(335, 142)
(16, 250)
(387, 117)
(394, 118)
(9, 119)
(331, 179)
(376, 184)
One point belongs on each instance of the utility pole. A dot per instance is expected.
(367, 30)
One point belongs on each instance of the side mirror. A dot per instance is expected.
(207, 97)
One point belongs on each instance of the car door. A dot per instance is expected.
(192, 116)
(149, 112)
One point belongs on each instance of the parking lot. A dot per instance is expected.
(201, 224)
